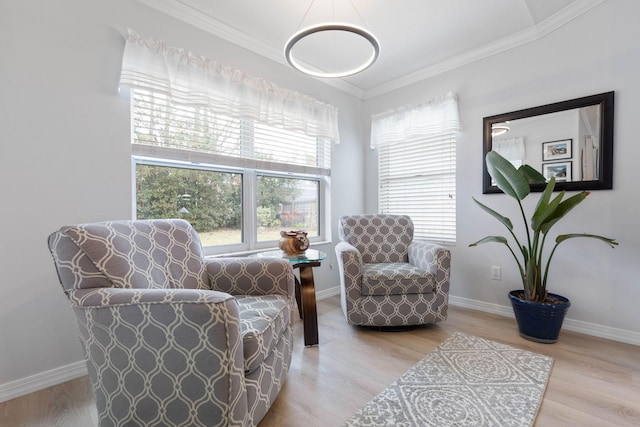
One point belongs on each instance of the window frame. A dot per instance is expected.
(249, 200)
(249, 167)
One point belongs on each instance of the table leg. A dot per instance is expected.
(309, 311)
(298, 300)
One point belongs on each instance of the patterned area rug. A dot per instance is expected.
(466, 381)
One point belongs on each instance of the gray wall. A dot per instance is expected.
(65, 158)
(598, 52)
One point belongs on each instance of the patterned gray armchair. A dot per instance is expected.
(170, 338)
(386, 277)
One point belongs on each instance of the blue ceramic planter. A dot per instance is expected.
(539, 321)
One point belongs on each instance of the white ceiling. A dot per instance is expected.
(418, 38)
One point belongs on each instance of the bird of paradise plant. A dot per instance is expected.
(534, 269)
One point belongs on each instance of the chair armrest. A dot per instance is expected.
(251, 276)
(162, 339)
(348, 256)
(434, 258)
(112, 297)
(350, 272)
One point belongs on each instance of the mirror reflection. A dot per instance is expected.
(563, 144)
(570, 140)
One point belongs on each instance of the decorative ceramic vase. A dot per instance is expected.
(539, 321)
(293, 242)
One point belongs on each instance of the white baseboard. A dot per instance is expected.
(586, 328)
(593, 329)
(481, 306)
(42, 380)
(62, 374)
(327, 293)
(615, 334)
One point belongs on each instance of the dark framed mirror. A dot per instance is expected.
(571, 140)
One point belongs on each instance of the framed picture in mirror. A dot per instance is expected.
(556, 150)
(560, 170)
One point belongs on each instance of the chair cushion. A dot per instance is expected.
(263, 320)
(149, 254)
(397, 278)
(379, 238)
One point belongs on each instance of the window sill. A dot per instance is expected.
(255, 251)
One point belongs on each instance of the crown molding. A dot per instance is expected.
(528, 35)
(179, 10)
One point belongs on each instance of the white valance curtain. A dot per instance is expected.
(436, 117)
(511, 149)
(193, 79)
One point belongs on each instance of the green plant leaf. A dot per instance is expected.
(532, 285)
(562, 209)
(609, 241)
(503, 219)
(549, 210)
(506, 176)
(525, 253)
(545, 209)
(561, 238)
(491, 239)
(546, 195)
(532, 175)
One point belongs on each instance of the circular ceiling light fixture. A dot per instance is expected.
(346, 28)
(500, 128)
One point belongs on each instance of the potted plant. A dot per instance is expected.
(539, 313)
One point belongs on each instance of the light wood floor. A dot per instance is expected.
(594, 382)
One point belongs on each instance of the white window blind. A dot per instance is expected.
(166, 129)
(417, 178)
(234, 154)
(190, 79)
(417, 165)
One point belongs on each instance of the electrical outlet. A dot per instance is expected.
(496, 273)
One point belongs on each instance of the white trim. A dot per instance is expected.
(520, 38)
(42, 380)
(155, 153)
(593, 329)
(615, 334)
(213, 26)
(207, 23)
(53, 377)
(486, 307)
(327, 293)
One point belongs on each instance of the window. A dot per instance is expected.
(237, 182)
(286, 203)
(418, 178)
(417, 165)
(236, 155)
(211, 199)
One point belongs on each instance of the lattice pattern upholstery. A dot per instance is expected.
(395, 278)
(263, 321)
(164, 344)
(386, 277)
(379, 238)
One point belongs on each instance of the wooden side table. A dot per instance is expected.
(305, 288)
